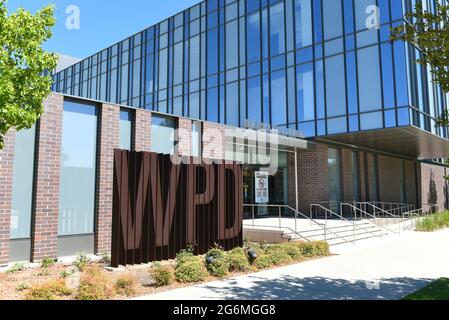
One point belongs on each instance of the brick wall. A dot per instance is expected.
(389, 179)
(213, 141)
(109, 140)
(142, 131)
(6, 176)
(313, 177)
(362, 176)
(346, 176)
(48, 164)
(185, 137)
(433, 185)
(411, 181)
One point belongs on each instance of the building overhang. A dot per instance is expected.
(252, 137)
(406, 141)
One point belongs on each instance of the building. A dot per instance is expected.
(366, 110)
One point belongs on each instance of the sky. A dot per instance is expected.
(102, 22)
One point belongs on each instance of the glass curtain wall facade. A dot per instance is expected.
(310, 65)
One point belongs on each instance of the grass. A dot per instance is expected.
(438, 290)
(434, 222)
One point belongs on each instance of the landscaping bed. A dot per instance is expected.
(433, 222)
(87, 280)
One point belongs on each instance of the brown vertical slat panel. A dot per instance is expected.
(157, 205)
(145, 215)
(115, 247)
(151, 207)
(124, 208)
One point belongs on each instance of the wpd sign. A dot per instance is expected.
(159, 207)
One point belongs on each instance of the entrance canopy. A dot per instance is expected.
(410, 141)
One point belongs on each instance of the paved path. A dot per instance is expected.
(383, 269)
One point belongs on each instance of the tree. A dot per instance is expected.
(429, 33)
(25, 80)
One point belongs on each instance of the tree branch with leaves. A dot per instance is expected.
(25, 79)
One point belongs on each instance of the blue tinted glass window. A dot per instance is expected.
(305, 92)
(370, 92)
(400, 74)
(252, 5)
(232, 104)
(253, 39)
(337, 125)
(332, 18)
(387, 76)
(333, 47)
(78, 169)
(194, 66)
(351, 76)
(349, 16)
(212, 20)
(212, 5)
(396, 10)
(335, 86)
(390, 118)
(278, 99)
(303, 23)
(22, 189)
(384, 11)
(194, 105)
(366, 38)
(361, 15)
(212, 51)
(403, 117)
(307, 128)
(125, 130)
(370, 121)
(212, 105)
(254, 99)
(265, 35)
(277, 30)
(317, 20)
(319, 89)
(162, 134)
(232, 51)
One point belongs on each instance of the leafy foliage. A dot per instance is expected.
(429, 33)
(125, 285)
(190, 270)
(218, 265)
(162, 275)
(24, 66)
(48, 291)
(238, 260)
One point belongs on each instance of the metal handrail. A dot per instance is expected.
(393, 207)
(324, 227)
(344, 219)
(370, 215)
(382, 210)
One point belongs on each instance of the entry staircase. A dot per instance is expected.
(354, 222)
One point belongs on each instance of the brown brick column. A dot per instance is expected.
(44, 233)
(362, 175)
(213, 141)
(6, 176)
(185, 137)
(313, 177)
(390, 179)
(346, 170)
(142, 131)
(109, 140)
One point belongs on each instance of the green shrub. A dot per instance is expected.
(48, 262)
(219, 265)
(279, 255)
(162, 275)
(293, 251)
(16, 267)
(105, 258)
(81, 261)
(48, 291)
(191, 270)
(238, 260)
(314, 248)
(183, 255)
(125, 285)
(434, 222)
(22, 286)
(263, 262)
(94, 285)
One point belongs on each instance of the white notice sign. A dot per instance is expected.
(261, 187)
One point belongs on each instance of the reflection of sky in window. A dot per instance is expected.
(78, 147)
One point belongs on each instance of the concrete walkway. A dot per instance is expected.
(388, 268)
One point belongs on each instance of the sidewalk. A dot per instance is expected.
(388, 268)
